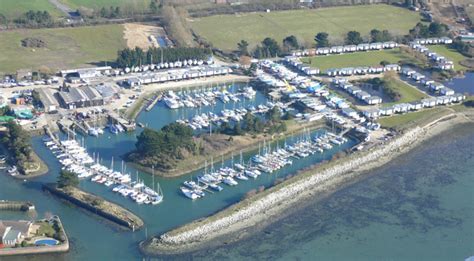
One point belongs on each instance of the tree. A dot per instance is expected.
(353, 37)
(419, 31)
(3, 20)
(375, 36)
(103, 12)
(154, 7)
(437, 29)
(271, 46)
(67, 179)
(243, 47)
(322, 39)
(290, 43)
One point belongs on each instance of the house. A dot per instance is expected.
(429, 102)
(346, 86)
(446, 91)
(349, 112)
(417, 76)
(400, 108)
(353, 90)
(371, 113)
(457, 97)
(363, 47)
(372, 100)
(375, 46)
(436, 86)
(445, 66)
(417, 105)
(387, 111)
(392, 67)
(14, 232)
(407, 71)
(362, 95)
(347, 71)
(389, 45)
(426, 81)
(332, 72)
(324, 50)
(350, 48)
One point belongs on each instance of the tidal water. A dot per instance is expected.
(463, 84)
(95, 239)
(418, 207)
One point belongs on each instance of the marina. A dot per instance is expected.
(74, 158)
(267, 161)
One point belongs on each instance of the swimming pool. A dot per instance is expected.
(46, 242)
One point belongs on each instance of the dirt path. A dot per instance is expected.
(62, 7)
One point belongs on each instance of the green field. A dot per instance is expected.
(125, 5)
(450, 54)
(224, 31)
(371, 58)
(14, 8)
(66, 47)
(408, 93)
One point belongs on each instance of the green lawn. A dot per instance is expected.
(413, 118)
(66, 47)
(14, 8)
(450, 54)
(224, 31)
(125, 5)
(408, 93)
(371, 58)
(45, 229)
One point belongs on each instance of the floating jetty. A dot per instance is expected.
(153, 102)
(267, 161)
(74, 158)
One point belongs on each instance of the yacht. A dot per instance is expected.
(189, 193)
(171, 103)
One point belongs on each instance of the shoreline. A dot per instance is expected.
(272, 203)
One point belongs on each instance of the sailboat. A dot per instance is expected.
(158, 198)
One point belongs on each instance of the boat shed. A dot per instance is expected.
(50, 103)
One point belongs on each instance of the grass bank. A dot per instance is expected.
(450, 54)
(408, 93)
